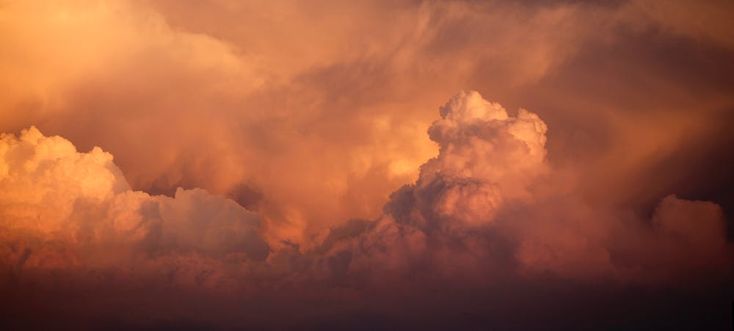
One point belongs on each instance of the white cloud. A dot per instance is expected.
(64, 209)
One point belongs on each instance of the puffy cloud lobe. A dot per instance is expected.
(485, 158)
(62, 209)
(41, 179)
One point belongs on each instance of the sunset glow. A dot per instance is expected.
(366, 165)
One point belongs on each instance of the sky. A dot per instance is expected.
(367, 165)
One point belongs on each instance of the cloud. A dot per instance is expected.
(487, 210)
(485, 157)
(313, 118)
(491, 198)
(704, 21)
(189, 103)
(66, 210)
(201, 100)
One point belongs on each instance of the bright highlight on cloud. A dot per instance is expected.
(66, 210)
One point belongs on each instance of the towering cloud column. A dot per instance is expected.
(486, 157)
(490, 203)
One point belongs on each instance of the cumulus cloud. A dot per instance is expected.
(485, 157)
(313, 118)
(491, 198)
(196, 98)
(484, 211)
(62, 209)
(201, 94)
(489, 182)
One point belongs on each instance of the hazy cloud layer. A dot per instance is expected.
(275, 152)
(485, 211)
(229, 96)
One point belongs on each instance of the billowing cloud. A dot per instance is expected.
(491, 192)
(66, 210)
(484, 211)
(184, 95)
(275, 159)
(485, 158)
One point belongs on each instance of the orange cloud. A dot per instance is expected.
(486, 200)
(312, 119)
